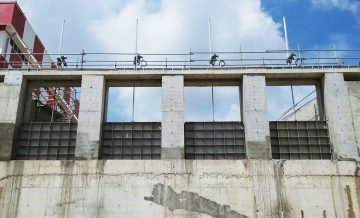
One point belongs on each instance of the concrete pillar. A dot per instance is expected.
(12, 96)
(354, 98)
(88, 137)
(254, 110)
(338, 115)
(172, 117)
(320, 102)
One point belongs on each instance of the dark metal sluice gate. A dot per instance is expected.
(131, 140)
(300, 140)
(46, 141)
(214, 140)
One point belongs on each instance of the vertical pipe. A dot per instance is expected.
(317, 56)
(133, 105)
(136, 36)
(336, 56)
(212, 85)
(241, 57)
(213, 102)
(136, 43)
(293, 100)
(210, 44)
(61, 37)
(286, 37)
(190, 58)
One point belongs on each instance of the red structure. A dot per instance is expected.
(19, 44)
(21, 48)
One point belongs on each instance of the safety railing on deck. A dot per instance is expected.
(321, 58)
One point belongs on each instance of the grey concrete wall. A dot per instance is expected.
(90, 117)
(308, 112)
(255, 118)
(179, 188)
(172, 117)
(354, 98)
(339, 116)
(12, 94)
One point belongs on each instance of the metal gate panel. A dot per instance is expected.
(214, 140)
(131, 140)
(300, 140)
(46, 141)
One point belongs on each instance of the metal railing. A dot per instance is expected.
(321, 58)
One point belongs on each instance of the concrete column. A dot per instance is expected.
(338, 115)
(254, 110)
(354, 98)
(88, 137)
(12, 96)
(172, 117)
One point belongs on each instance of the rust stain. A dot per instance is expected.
(302, 214)
(324, 213)
(351, 213)
(357, 186)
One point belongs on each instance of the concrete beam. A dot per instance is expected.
(12, 94)
(254, 110)
(172, 117)
(88, 137)
(199, 73)
(338, 114)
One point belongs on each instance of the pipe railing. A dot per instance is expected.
(320, 58)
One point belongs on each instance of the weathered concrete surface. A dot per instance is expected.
(339, 116)
(354, 98)
(308, 112)
(167, 197)
(199, 73)
(90, 117)
(12, 94)
(178, 188)
(257, 133)
(172, 117)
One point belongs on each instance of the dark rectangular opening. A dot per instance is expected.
(49, 127)
(132, 127)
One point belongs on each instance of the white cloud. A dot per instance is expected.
(345, 5)
(174, 26)
(164, 26)
(178, 25)
(147, 105)
(198, 104)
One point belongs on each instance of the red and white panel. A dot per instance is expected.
(13, 20)
(4, 41)
(47, 61)
(29, 35)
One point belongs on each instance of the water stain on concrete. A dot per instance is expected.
(15, 190)
(167, 197)
(351, 213)
(66, 189)
(357, 183)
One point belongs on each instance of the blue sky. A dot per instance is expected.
(322, 23)
(175, 26)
